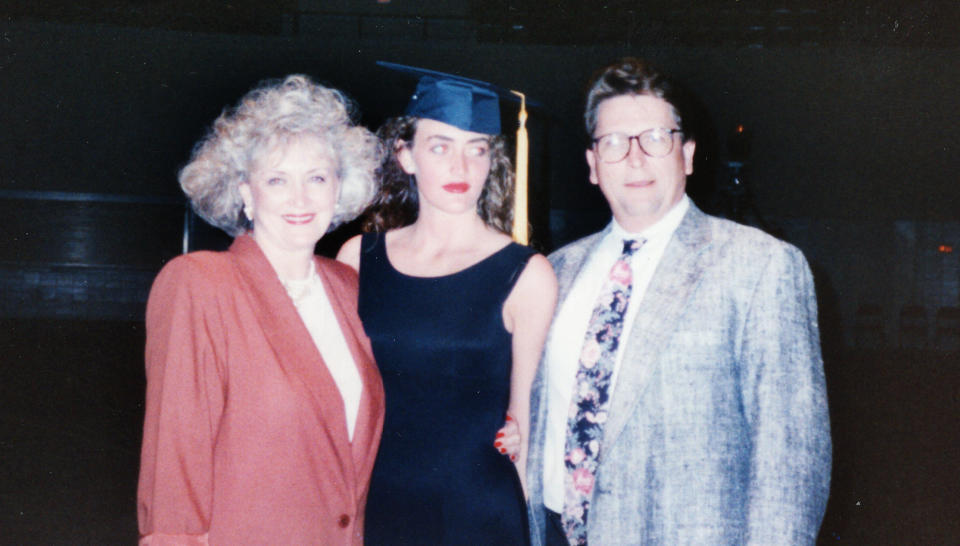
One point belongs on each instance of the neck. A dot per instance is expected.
(633, 226)
(292, 268)
(290, 265)
(437, 229)
(638, 224)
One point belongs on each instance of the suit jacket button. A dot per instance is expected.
(343, 521)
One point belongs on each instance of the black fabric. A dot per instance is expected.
(445, 359)
(554, 529)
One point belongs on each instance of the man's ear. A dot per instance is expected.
(688, 148)
(592, 161)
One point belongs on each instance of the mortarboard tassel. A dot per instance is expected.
(520, 223)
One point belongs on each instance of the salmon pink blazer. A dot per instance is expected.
(245, 437)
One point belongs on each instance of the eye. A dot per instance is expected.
(438, 149)
(657, 135)
(275, 181)
(319, 179)
(613, 140)
(478, 150)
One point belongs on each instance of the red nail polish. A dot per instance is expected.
(504, 451)
(497, 444)
(513, 458)
(499, 435)
(509, 418)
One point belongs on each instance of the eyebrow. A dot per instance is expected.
(274, 170)
(445, 138)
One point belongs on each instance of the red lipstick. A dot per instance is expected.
(456, 187)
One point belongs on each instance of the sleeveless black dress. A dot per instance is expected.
(445, 359)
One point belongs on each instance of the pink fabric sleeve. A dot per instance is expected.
(183, 406)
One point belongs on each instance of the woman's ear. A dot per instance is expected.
(405, 157)
(247, 196)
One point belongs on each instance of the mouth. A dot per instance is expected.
(299, 219)
(456, 187)
(639, 183)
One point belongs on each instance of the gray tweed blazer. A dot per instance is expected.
(718, 431)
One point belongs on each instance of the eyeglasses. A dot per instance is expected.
(614, 147)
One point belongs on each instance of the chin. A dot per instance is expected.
(305, 240)
(646, 210)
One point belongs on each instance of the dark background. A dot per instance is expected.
(850, 117)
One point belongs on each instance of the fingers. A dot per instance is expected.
(507, 440)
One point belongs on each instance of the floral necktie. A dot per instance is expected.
(591, 395)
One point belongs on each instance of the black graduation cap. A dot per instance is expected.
(472, 105)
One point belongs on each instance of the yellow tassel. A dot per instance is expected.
(520, 223)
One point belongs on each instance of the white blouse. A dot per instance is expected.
(310, 298)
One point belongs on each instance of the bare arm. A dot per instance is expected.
(527, 314)
(350, 253)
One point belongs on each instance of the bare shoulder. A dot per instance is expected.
(536, 289)
(538, 271)
(350, 252)
(529, 307)
(336, 267)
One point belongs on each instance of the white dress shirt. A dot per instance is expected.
(310, 298)
(569, 328)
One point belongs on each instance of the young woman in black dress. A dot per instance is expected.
(457, 315)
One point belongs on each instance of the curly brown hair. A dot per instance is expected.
(396, 203)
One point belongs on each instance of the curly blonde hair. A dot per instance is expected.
(273, 112)
(397, 204)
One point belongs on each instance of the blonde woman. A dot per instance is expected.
(264, 407)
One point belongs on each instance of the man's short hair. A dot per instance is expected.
(633, 76)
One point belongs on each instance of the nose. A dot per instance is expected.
(636, 157)
(298, 193)
(458, 164)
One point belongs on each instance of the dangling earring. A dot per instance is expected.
(248, 212)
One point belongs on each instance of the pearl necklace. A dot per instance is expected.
(301, 289)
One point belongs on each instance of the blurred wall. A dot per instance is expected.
(846, 141)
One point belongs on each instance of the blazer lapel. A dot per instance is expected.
(567, 264)
(674, 280)
(366, 433)
(571, 261)
(293, 347)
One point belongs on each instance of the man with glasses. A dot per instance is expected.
(681, 397)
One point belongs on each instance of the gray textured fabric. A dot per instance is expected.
(718, 430)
